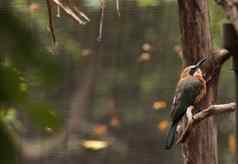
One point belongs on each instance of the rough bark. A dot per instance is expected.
(201, 146)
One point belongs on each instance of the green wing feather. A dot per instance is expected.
(185, 95)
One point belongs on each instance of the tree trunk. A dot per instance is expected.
(230, 37)
(201, 146)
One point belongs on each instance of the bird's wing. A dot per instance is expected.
(175, 101)
(185, 95)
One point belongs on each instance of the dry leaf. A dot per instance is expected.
(163, 125)
(94, 144)
(159, 104)
(146, 47)
(115, 121)
(144, 57)
(179, 51)
(232, 143)
(100, 129)
(34, 7)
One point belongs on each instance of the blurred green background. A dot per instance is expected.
(110, 100)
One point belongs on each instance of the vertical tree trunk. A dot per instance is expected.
(201, 146)
(230, 43)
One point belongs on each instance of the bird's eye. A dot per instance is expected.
(192, 70)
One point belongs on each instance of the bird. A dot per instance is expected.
(190, 90)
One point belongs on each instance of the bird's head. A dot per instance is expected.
(193, 70)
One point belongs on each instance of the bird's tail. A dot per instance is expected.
(171, 136)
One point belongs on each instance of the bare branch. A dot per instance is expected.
(213, 64)
(196, 118)
(58, 15)
(118, 8)
(102, 3)
(69, 11)
(218, 57)
(73, 5)
(221, 55)
(52, 31)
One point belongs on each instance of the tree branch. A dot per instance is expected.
(51, 26)
(212, 110)
(71, 13)
(221, 55)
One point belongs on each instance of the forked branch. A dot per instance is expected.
(193, 119)
(71, 13)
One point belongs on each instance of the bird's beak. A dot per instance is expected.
(201, 62)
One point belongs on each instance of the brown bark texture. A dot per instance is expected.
(201, 145)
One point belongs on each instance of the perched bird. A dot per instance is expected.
(190, 89)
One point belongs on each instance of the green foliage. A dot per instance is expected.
(24, 51)
(8, 149)
(71, 46)
(146, 3)
(217, 18)
(148, 83)
(13, 88)
(26, 66)
(93, 3)
(43, 115)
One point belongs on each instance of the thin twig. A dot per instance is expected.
(73, 6)
(99, 38)
(118, 8)
(81, 14)
(69, 11)
(58, 15)
(52, 31)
